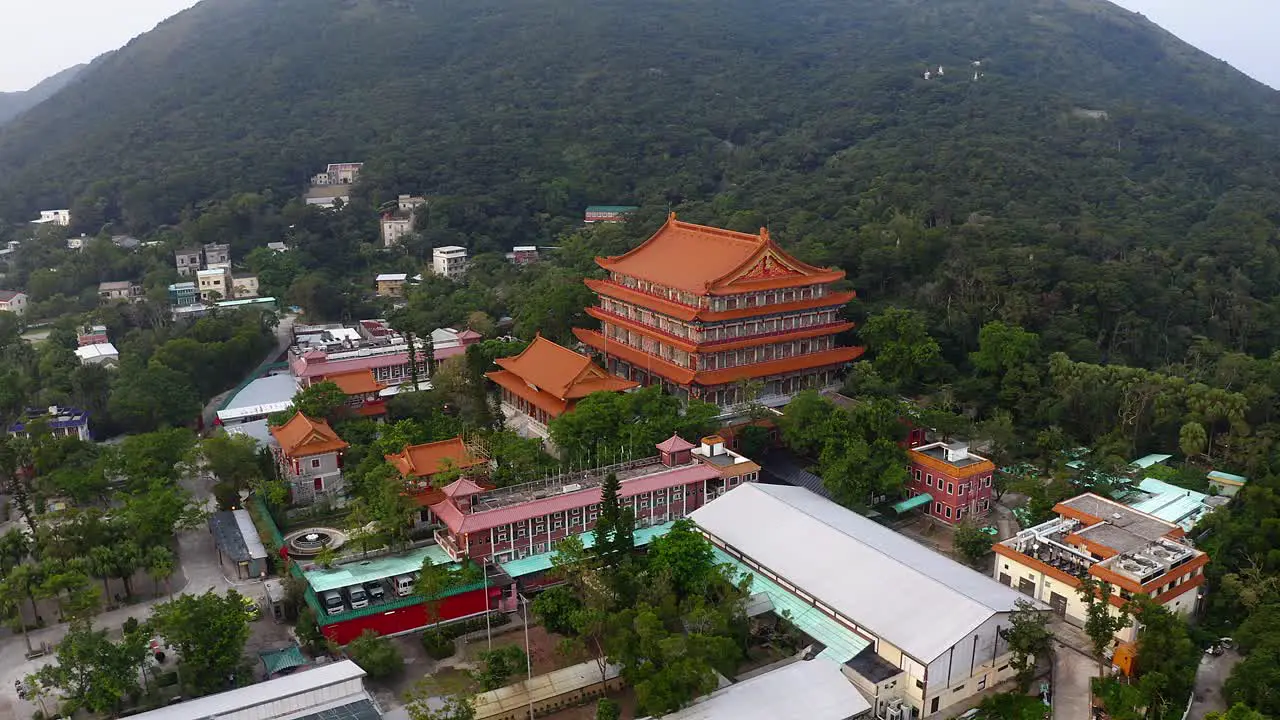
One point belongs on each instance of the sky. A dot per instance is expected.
(85, 30)
(1242, 32)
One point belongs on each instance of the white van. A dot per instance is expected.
(404, 585)
(332, 602)
(357, 597)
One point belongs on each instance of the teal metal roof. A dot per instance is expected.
(910, 503)
(841, 642)
(1147, 461)
(278, 660)
(542, 561)
(377, 568)
(611, 208)
(1171, 503)
(1227, 477)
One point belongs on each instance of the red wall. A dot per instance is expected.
(408, 618)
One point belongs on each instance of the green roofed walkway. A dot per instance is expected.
(542, 561)
(841, 642)
(378, 568)
(912, 503)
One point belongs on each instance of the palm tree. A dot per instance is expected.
(11, 608)
(160, 566)
(102, 564)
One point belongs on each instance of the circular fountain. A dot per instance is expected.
(308, 542)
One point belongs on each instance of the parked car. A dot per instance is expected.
(375, 591)
(357, 597)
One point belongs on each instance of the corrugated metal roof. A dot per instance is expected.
(841, 642)
(378, 568)
(900, 590)
(813, 690)
(1147, 461)
(542, 561)
(278, 690)
(1227, 477)
(518, 696)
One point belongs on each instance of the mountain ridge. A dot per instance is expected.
(13, 104)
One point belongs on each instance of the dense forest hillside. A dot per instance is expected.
(1074, 169)
(13, 104)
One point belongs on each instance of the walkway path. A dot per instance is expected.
(199, 572)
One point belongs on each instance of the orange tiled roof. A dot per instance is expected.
(684, 376)
(548, 403)
(302, 436)
(429, 458)
(560, 372)
(355, 382)
(676, 310)
(669, 370)
(720, 345)
(834, 356)
(707, 260)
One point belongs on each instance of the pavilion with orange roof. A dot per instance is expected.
(545, 381)
(702, 310)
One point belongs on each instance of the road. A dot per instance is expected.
(1073, 672)
(1210, 676)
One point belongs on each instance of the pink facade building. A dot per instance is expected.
(957, 482)
(515, 522)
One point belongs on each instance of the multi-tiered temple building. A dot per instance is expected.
(703, 311)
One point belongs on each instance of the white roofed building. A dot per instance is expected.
(931, 626)
(811, 689)
(328, 691)
(98, 354)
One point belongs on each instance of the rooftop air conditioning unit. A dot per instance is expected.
(575, 487)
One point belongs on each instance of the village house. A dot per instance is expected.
(391, 285)
(121, 291)
(701, 311)
(524, 254)
(54, 217)
(214, 284)
(449, 261)
(244, 286)
(338, 174)
(183, 294)
(309, 455)
(217, 255)
(187, 261)
(545, 381)
(13, 301)
(58, 421)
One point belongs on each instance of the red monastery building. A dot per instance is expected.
(700, 310)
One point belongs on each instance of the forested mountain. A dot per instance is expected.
(13, 104)
(1099, 181)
